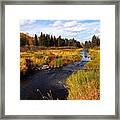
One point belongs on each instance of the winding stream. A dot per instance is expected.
(49, 84)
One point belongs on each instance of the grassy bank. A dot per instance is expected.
(85, 84)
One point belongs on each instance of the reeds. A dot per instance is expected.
(85, 84)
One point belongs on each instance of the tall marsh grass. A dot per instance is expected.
(85, 84)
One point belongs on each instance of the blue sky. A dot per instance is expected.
(81, 30)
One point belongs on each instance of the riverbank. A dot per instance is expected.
(33, 61)
(49, 84)
(85, 83)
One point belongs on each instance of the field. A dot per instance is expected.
(85, 84)
(42, 59)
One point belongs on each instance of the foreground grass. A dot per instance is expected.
(85, 84)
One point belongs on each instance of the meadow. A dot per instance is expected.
(38, 60)
(82, 85)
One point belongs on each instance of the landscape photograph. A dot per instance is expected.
(60, 59)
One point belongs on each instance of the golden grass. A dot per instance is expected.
(85, 84)
(52, 58)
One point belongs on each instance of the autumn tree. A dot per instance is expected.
(23, 39)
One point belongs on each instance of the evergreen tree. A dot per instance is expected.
(51, 41)
(36, 40)
(59, 41)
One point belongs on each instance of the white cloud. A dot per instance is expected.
(75, 29)
(57, 24)
(74, 26)
(71, 24)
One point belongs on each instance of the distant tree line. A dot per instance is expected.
(95, 42)
(52, 41)
(47, 41)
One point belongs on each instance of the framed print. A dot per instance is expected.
(60, 59)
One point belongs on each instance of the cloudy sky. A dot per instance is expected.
(79, 29)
